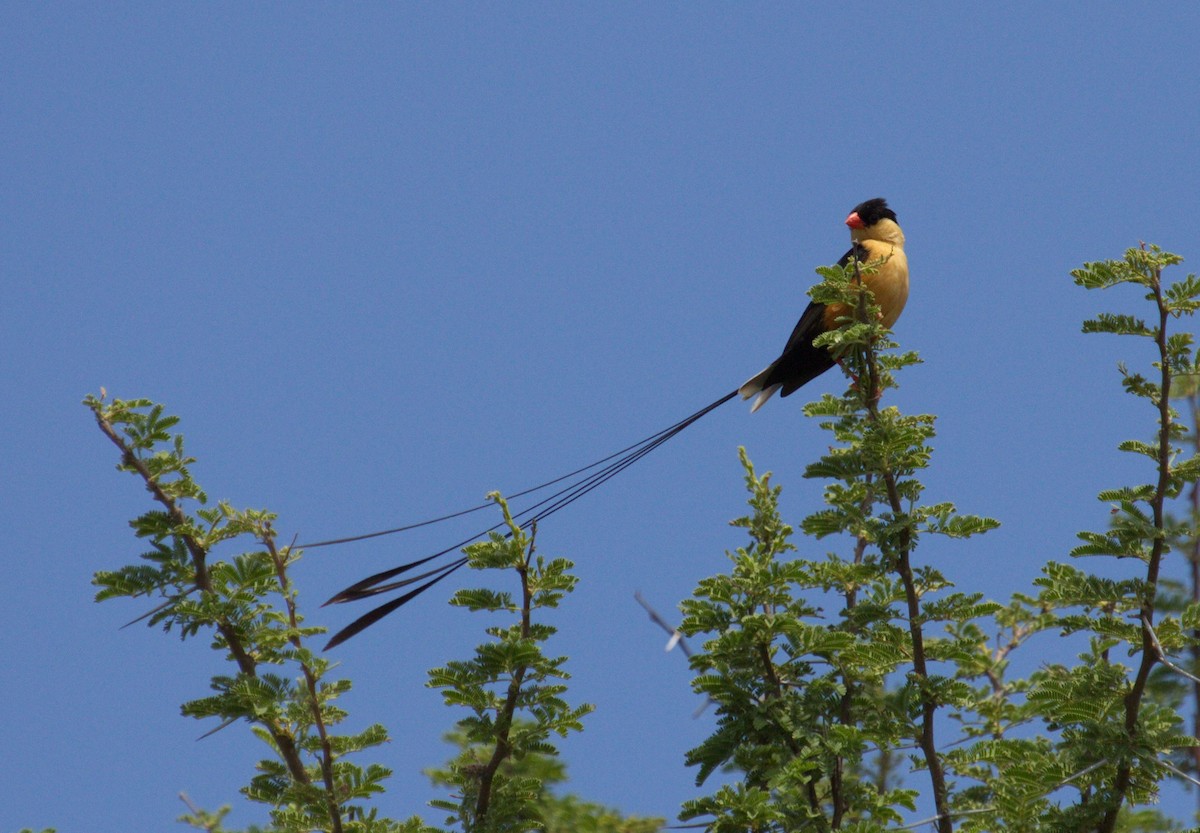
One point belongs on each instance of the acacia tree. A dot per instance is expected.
(854, 690)
(814, 705)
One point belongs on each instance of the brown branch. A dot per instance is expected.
(903, 562)
(1150, 658)
(284, 742)
(267, 536)
(1194, 564)
(504, 718)
(928, 703)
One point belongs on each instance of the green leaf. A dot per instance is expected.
(1118, 325)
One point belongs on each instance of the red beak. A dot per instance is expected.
(854, 221)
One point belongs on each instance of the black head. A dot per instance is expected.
(872, 211)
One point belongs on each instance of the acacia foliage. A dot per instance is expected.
(855, 687)
(856, 690)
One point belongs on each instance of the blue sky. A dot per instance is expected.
(384, 258)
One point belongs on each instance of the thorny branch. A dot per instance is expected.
(903, 564)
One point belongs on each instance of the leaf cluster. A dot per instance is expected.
(829, 672)
(513, 690)
(247, 605)
(847, 684)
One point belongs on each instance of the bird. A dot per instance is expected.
(876, 240)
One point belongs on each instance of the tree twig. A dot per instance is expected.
(903, 565)
(284, 742)
(1150, 657)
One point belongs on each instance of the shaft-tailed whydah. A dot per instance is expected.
(876, 240)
